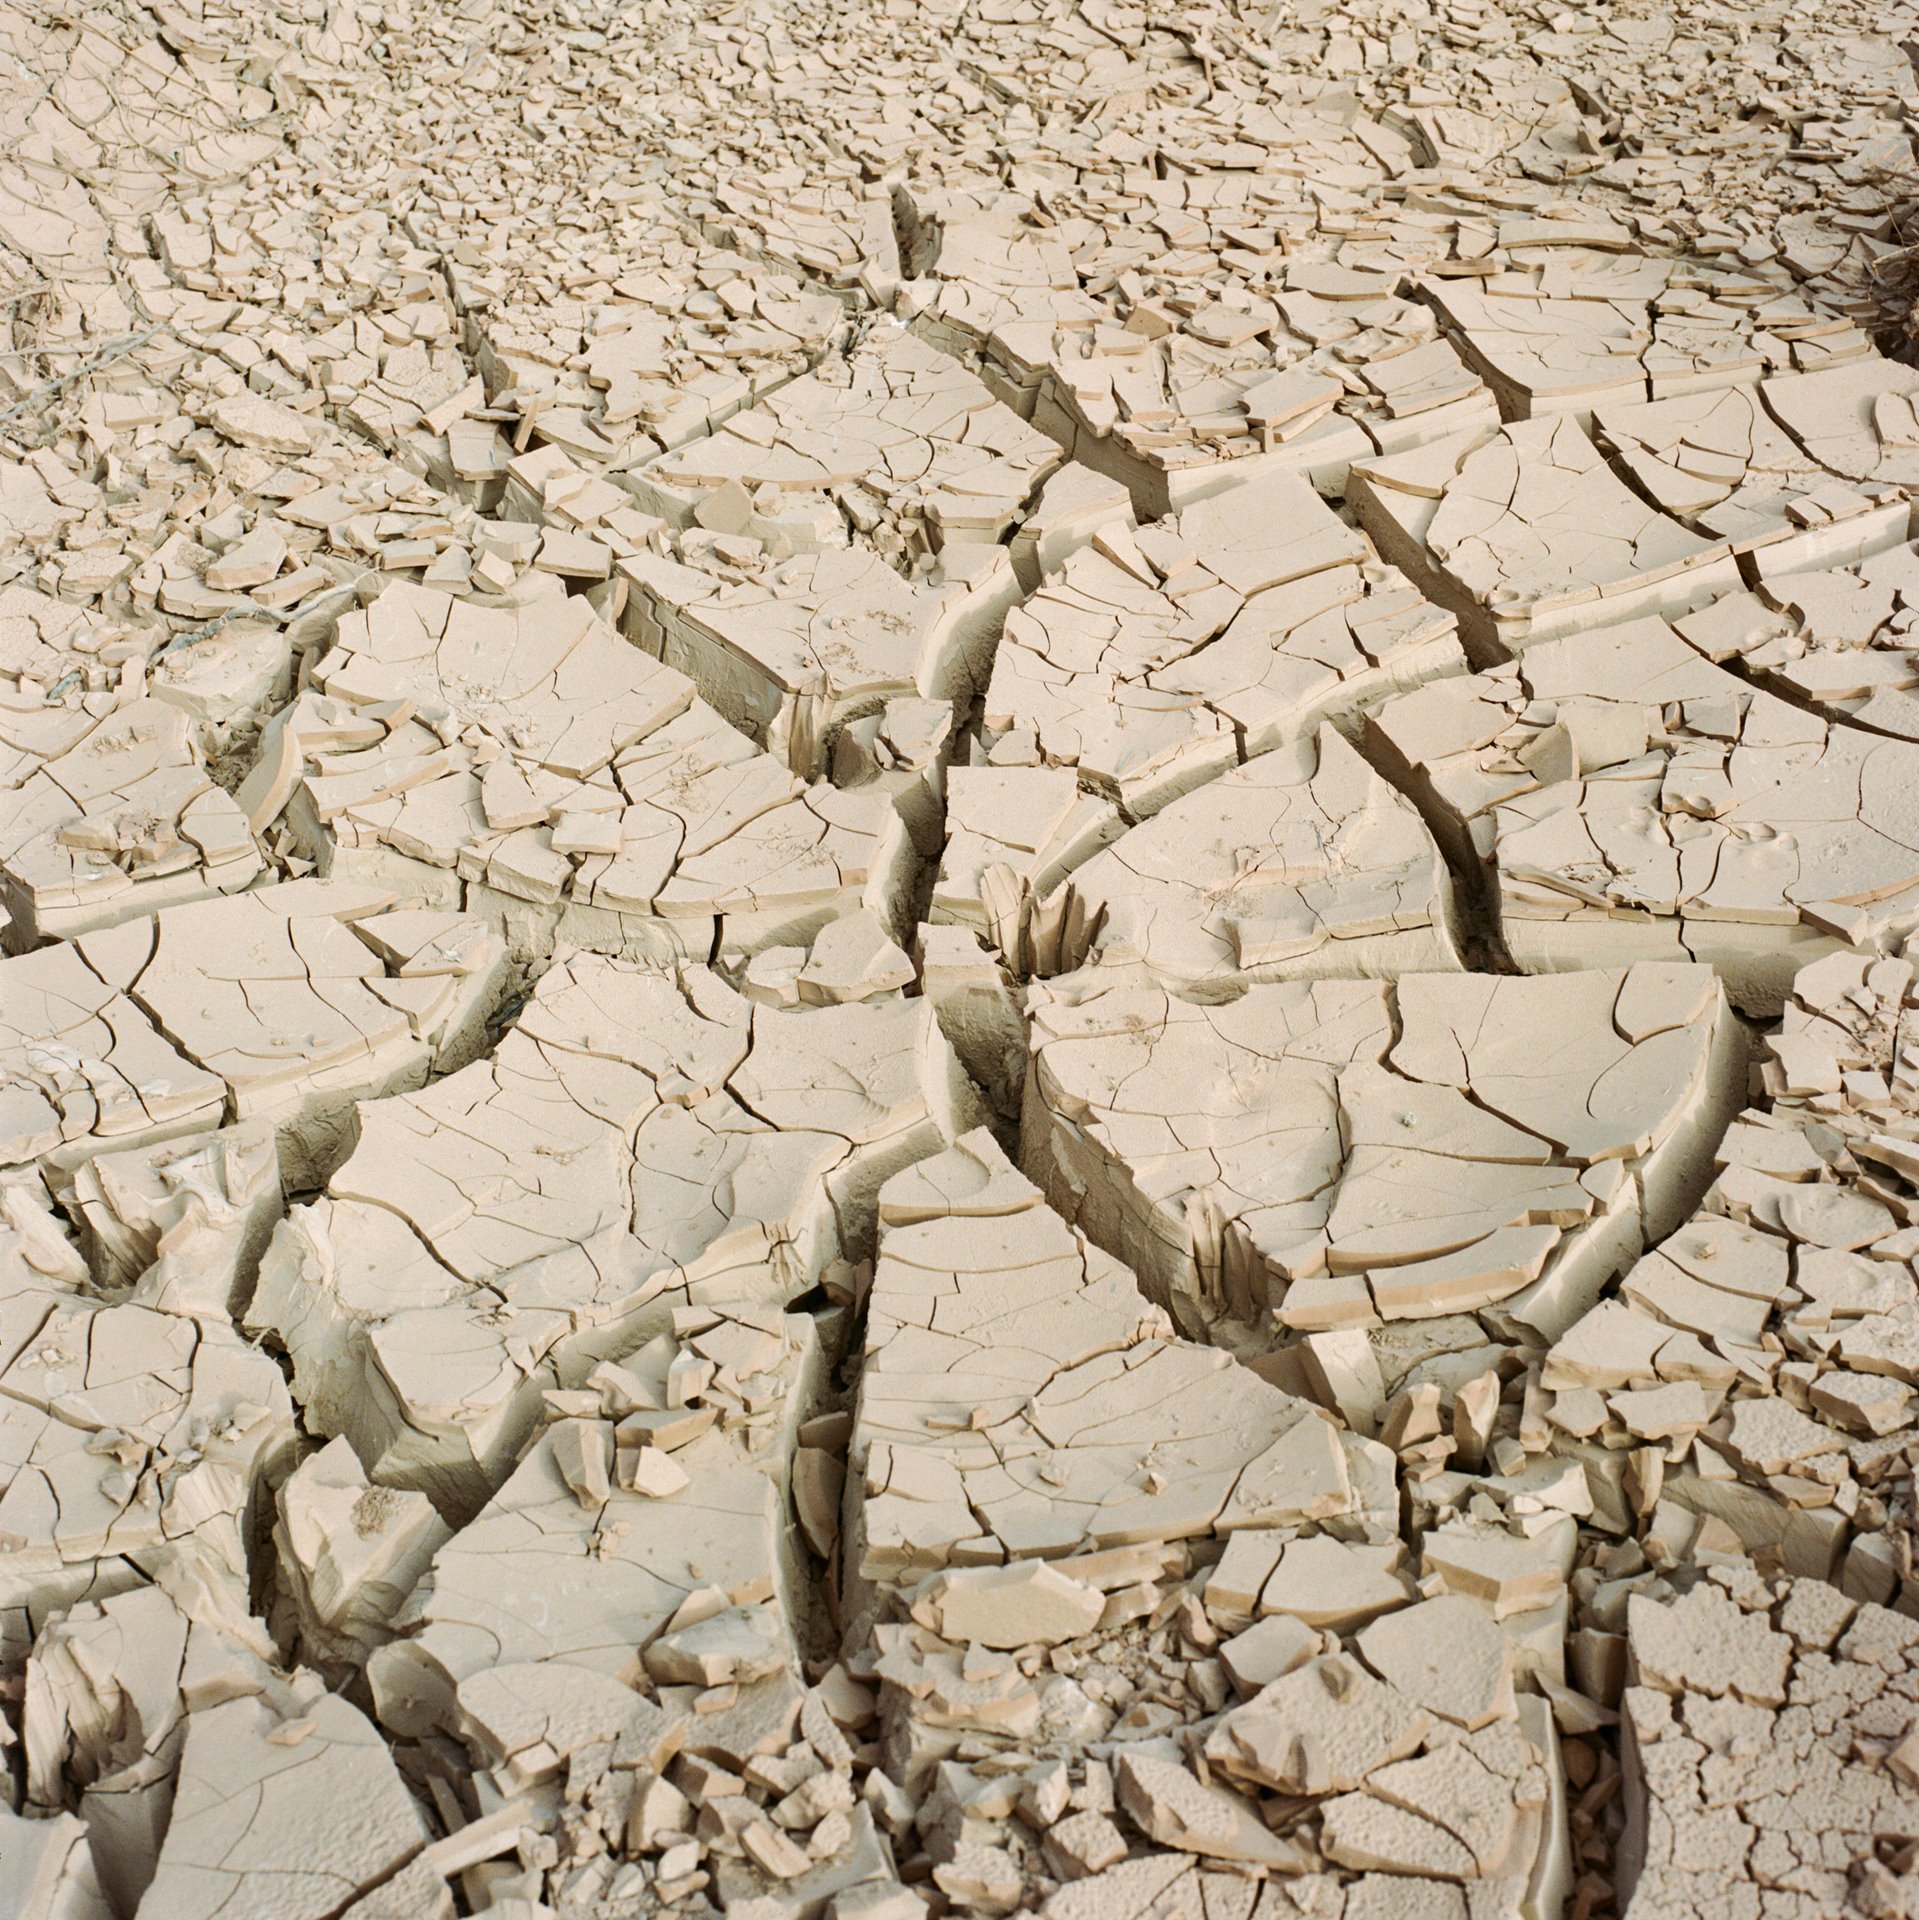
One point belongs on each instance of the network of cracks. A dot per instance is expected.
(955, 962)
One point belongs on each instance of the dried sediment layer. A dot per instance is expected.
(1159, 656)
(837, 232)
(166, 1707)
(631, 1600)
(1303, 862)
(1627, 798)
(1346, 1154)
(180, 1224)
(528, 763)
(286, 1003)
(1021, 1400)
(1155, 660)
(135, 1444)
(639, 1142)
(346, 1555)
(123, 822)
(645, 1535)
(1725, 465)
(659, 352)
(1842, 639)
(328, 1815)
(840, 547)
(791, 647)
(1528, 534)
(1571, 327)
(1194, 389)
(304, 311)
(1015, 1382)
(895, 442)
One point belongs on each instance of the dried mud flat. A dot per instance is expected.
(954, 960)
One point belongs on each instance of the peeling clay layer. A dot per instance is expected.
(954, 962)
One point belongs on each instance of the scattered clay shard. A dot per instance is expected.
(1302, 862)
(639, 1142)
(1527, 534)
(1020, 1398)
(1713, 1806)
(287, 1004)
(1776, 1333)
(646, 1535)
(530, 764)
(1626, 798)
(1843, 639)
(1342, 1154)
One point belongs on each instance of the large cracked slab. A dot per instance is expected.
(529, 763)
(124, 821)
(1528, 534)
(1591, 328)
(1302, 862)
(1201, 389)
(895, 441)
(1158, 658)
(791, 648)
(1838, 638)
(1725, 465)
(286, 1811)
(667, 343)
(1626, 797)
(1324, 1155)
(1020, 1399)
(645, 1536)
(287, 1004)
(134, 1445)
(640, 1141)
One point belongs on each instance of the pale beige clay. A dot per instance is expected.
(1625, 797)
(871, 890)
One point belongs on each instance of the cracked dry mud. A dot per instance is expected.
(954, 960)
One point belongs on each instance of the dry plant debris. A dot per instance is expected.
(954, 961)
